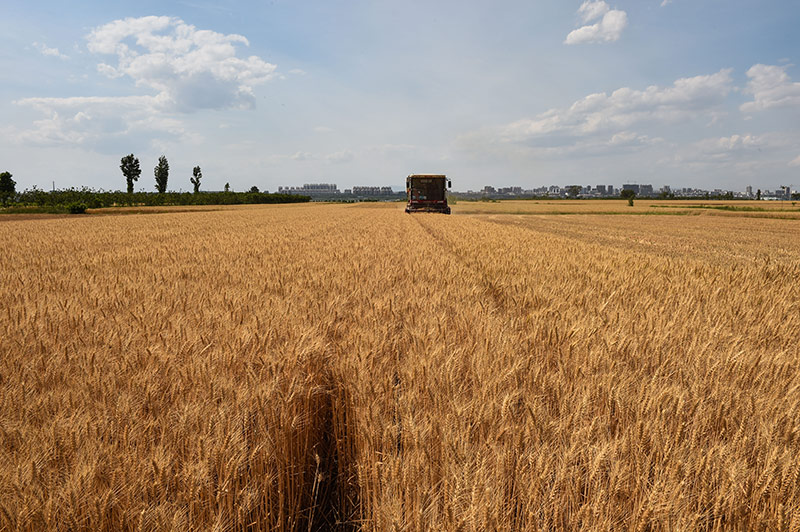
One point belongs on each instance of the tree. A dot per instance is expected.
(573, 190)
(796, 196)
(162, 173)
(7, 187)
(758, 194)
(628, 195)
(130, 169)
(227, 187)
(254, 189)
(198, 175)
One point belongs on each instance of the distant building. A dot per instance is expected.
(311, 189)
(749, 191)
(601, 189)
(372, 191)
(646, 190)
(632, 187)
(510, 190)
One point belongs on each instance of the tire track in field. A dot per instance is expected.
(497, 295)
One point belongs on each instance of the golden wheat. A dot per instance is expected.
(306, 367)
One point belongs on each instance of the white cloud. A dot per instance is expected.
(771, 88)
(481, 148)
(89, 120)
(602, 113)
(297, 72)
(185, 68)
(745, 152)
(590, 11)
(323, 129)
(608, 29)
(52, 52)
(193, 69)
(340, 157)
(726, 147)
(627, 138)
(302, 156)
(665, 2)
(795, 161)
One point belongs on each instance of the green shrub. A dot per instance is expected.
(77, 208)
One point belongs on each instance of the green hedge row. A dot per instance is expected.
(94, 199)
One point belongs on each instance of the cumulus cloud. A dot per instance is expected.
(771, 87)
(590, 11)
(557, 148)
(93, 119)
(193, 69)
(608, 28)
(615, 112)
(604, 121)
(628, 138)
(52, 52)
(185, 69)
(728, 147)
(741, 151)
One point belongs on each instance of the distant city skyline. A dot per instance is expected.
(363, 93)
(554, 190)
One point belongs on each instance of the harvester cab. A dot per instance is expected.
(427, 193)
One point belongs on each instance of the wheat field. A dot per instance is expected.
(352, 367)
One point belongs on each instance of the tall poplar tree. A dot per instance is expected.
(198, 175)
(162, 174)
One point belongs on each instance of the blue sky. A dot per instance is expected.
(683, 92)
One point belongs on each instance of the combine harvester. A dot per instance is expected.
(427, 193)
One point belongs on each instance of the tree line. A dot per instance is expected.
(131, 170)
(76, 200)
